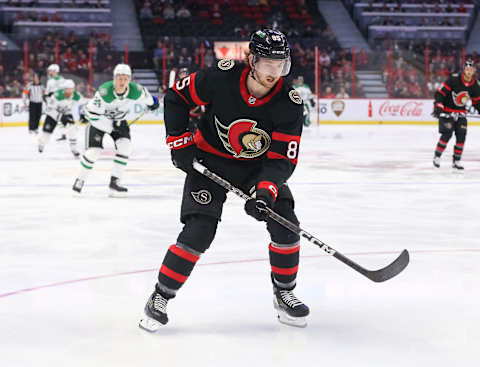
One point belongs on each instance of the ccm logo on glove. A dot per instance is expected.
(179, 142)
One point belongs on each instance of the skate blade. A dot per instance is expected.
(286, 319)
(117, 194)
(149, 324)
(76, 194)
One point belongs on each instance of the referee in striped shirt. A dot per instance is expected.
(34, 92)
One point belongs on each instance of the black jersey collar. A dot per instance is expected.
(251, 100)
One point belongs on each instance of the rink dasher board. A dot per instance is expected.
(327, 111)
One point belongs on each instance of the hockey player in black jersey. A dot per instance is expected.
(457, 95)
(250, 135)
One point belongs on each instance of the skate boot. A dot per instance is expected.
(76, 153)
(436, 161)
(457, 164)
(78, 185)
(115, 189)
(155, 312)
(290, 310)
(41, 148)
(62, 137)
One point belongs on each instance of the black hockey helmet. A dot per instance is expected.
(271, 44)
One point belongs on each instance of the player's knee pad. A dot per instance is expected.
(198, 232)
(446, 136)
(278, 233)
(461, 134)
(92, 154)
(123, 146)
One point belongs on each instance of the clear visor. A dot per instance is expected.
(272, 67)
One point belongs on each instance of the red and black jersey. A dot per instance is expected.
(237, 126)
(454, 94)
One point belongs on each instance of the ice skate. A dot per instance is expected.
(62, 137)
(155, 312)
(290, 310)
(457, 165)
(115, 189)
(78, 185)
(436, 161)
(41, 148)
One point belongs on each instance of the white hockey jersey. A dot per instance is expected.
(59, 105)
(54, 84)
(107, 106)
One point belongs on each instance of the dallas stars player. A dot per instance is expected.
(54, 83)
(106, 114)
(249, 134)
(59, 108)
(307, 96)
(450, 107)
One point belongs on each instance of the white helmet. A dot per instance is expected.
(54, 67)
(68, 83)
(122, 69)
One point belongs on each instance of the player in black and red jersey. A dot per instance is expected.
(250, 135)
(460, 93)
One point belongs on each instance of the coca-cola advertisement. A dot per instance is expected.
(374, 111)
(401, 109)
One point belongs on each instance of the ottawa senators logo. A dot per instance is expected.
(461, 98)
(242, 139)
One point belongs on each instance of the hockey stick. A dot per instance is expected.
(380, 275)
(138, 117)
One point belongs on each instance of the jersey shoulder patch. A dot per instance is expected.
(76, 96)
(59, 95)
(106, 91)
(134, 91)
(226, 64)
(295, 97)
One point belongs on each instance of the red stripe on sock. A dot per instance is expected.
(172, 274)
(458, 151)
(183, 254)
(284, 251)
(284, 271)
(443, 142)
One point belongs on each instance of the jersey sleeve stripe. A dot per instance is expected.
(285, 137)
(440, 91)
(273, 155)
(193, 92)
(446, 87)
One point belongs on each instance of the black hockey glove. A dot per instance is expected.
(265, 197)
(183, 151)
(83, 119)
(437, 110)
(155, 104)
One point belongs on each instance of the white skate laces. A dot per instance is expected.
(160, 303)
(289, 298)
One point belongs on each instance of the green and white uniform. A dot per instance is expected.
(106, 107)
(107, 113)
(60, 108)
(58, 105)
(308, 100)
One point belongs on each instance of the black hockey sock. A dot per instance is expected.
(457, 151)
(441, 145)
(284, 263)
(176, 268)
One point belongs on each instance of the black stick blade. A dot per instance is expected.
(380, 275)
(391, 270)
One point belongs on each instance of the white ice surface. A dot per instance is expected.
(75, 272)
